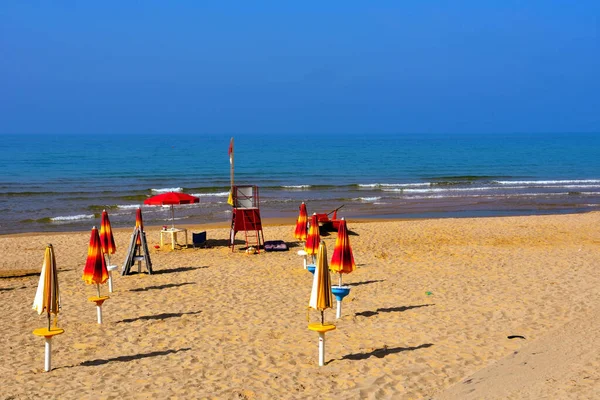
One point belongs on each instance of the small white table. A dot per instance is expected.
(173, 232)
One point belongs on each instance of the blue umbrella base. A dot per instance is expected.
(340, 292)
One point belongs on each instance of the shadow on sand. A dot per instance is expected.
(101, 361)
(389, 310)
(165, 286)
(364, 282)
(383, 352)
(174, 270)
(159, 316)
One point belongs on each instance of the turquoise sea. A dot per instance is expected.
(62, 182)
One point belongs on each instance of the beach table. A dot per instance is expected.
(173, 233)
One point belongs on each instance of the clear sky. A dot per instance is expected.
(294, 67)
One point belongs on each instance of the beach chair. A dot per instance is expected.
(199, 239)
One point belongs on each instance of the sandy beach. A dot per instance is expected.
(492, 308)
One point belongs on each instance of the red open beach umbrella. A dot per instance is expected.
(301, 224)
(342, 260)
(107, 239)
(171, 199)
(139, 223)
(313, 239)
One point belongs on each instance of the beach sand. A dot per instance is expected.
(432, 306)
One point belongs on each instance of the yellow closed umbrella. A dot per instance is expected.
(321, 298)
(47, 298)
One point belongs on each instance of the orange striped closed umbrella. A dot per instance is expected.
(342, 260)
(312, 240)
(301, 231)
(107, 240)
(95, 271)
(139, 223)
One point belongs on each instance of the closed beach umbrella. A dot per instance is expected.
(320, 296)
(95, 271)
(139, 223)
(342, 260)
(312, 240)
(301, 231)
(47, 297)
(171, 199)
(321, 299)
(107, 240)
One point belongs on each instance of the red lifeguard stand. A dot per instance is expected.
(246, 216)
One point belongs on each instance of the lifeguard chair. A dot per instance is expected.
(246, 216)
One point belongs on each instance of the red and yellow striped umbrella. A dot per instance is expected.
(312, 240)
(107, 240)
(95, 266)
(342, 260)
(139, 223)
(301, 224)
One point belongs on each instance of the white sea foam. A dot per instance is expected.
(165, 190)
(217, 194)
(490, 195)
(128, 206)
(552, 182)
(296, 186)
(72, 217)
(392, 185)
(367, 199)
(454, 189)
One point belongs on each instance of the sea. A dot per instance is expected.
(52, 183)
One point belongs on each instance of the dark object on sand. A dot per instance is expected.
(275, 245)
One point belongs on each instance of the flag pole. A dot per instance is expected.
(231, 169)
(231, 160)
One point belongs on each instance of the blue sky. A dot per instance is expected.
(299, 67)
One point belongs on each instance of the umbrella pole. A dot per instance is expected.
(110, 283)
(172, 217)
(47, 352)
(48, 320)
(321, 349)
(322, 318)
(340, 283)
(99, 305)
(99, 312)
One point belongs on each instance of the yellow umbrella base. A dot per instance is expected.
(321, 328)
(98, 299)
(45, 332)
